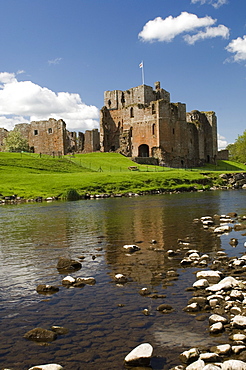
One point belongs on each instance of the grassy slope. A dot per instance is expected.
(29, 176)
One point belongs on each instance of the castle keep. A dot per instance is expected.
(143, 123)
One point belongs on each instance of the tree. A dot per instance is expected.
(237, 151)
(15, 142)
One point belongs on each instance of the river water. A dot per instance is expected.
(106, 320)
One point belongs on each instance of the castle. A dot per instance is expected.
(144, 124)
(140, 123)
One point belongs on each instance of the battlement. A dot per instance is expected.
(142, 94)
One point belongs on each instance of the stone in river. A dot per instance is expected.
(140, 355)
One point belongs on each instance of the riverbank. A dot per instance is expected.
(29, 177)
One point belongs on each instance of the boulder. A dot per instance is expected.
(140, 355)
(130, 248)
(239, 321)
(227, 283)
(40, 335)
(223, 349)
(190, 355)
(47, 289)
(47, 367)
(201, 284)
(217, 318)
(165, 308)
(64, 264)
(197, 365)
(216, 328)
(211, 276)
(233, 365)
(210, 357)
(68, 280)
(120, 278)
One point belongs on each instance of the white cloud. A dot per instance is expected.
(238, 47)
(222, 142)
(167, 29)
(215, 3)
(210, 32)
(54, 61)
(24, 101)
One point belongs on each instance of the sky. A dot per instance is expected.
(57, 57)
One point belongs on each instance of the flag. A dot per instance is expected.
(141, 65)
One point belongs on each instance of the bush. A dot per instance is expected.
(71, 194)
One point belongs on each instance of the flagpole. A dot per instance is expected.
(141, 65)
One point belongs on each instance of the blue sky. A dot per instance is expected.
(59, 56)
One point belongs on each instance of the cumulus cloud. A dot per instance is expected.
(215, 3)
(25, 101)
(238, 47)
(167, 29)
(222, 142)
(210, 32)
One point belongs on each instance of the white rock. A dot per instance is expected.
(223, 349)
(216, 328)
(47, 367)
(131, 248)
(197, 365)
(120, 278)
(143, 351)
(210, 275)
(187, 356)
(233, 365)
(239, 321)
(211, 367)
(209, 357)
(217, 318)
(201, 283)
(222, 229)
(68, 280)
(238, 349)
(227, 283)
(238, 337)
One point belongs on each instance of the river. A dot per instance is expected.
(106, 320)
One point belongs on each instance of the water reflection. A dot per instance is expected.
(105, 320)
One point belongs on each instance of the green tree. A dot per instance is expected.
(15, 142)
(237, 151)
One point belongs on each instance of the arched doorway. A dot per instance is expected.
(143, 150)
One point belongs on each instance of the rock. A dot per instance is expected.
(223, 349)
(68, 280)
(197, 365)
(238, 349)
(233, 365)
(68, 264)
(46, 289)
(236, 295)
(239, 321)
(210, 357)
(130, 248)
(201, 284)
(227, 283)
(193, 307)
(47, 367)
(60, 330)
(216, 328)
(190, 355)
(144, 291)
(120, 278)
(40, 335)
(222, 229)
(238, 337)
(211, 276)
(140, 355)
(88, 280)
(211, 367)
(165, 308)
(217, 318)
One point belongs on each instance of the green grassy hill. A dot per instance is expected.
(29, 175)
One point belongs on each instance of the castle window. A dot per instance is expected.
(173, 131)
(109, 103)
(131, 112)
(35, 132)
(153, 129)
(153, 109)
(50, 130)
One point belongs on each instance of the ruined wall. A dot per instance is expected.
(91, 141)
(48, 137)
(3, 135)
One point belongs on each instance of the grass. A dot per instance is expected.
(29, 175)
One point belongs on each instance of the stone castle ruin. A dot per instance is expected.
(144, 124)
(140, 123)
(51, 137)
